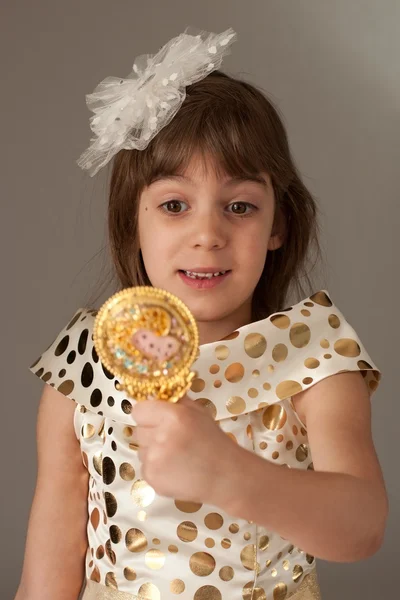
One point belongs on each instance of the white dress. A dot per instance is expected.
(142, 546)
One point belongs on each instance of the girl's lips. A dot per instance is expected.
(203, 284)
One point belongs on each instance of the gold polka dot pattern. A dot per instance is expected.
(208, 592)
(236, 405)
(255, 345)
(280, 352)
(222, 352)
(202, 564)
(155, 559)
(214, 521)
(142, 493)
(234, 373)
(187, 507)
(177, 586)
(129, 574)
(150, 547)
(135, 540)
(187, 531)
(149, 592)
(226, 573)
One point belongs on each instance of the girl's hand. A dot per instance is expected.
(184, 453)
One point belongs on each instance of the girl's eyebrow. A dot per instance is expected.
(229, 183)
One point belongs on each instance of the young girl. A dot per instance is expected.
(268, 463)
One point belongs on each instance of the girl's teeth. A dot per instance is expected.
(194, 275)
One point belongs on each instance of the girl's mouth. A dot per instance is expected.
(203, 279)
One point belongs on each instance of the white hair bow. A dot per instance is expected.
(129, 112)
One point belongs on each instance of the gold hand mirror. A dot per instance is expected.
(148, 339)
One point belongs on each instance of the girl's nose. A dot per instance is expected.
(209, 232)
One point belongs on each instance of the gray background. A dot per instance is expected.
(332, 68)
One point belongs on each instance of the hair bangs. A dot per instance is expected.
(226, 136)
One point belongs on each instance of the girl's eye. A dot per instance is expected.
(241, 208)
(173, 206)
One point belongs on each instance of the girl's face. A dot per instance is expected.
(205, 239)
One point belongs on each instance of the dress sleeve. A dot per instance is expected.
(271, 360)
(71, 365)
(321, 343)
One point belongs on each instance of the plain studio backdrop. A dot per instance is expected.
(332, 68)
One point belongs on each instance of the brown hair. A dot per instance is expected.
(232, 121)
